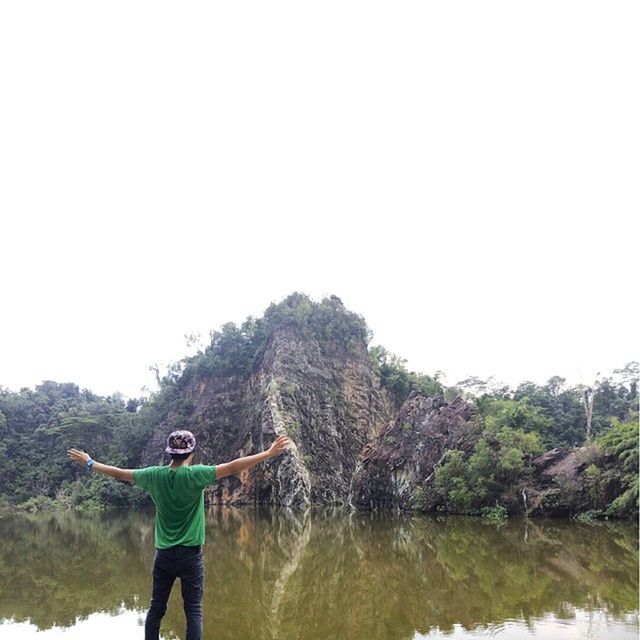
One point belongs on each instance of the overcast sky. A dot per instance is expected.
(463, 174)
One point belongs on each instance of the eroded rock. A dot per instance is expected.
(397, 468)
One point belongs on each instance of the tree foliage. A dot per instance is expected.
(38, 426)
(499, 461)
(395, 376)
(620, 445)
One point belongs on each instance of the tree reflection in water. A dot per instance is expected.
(323, 573)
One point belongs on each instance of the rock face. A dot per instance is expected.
(397, 468)
(352, 445)
(561, 485)
(557, 485)
(327, 399)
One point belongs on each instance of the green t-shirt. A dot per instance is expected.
(179, 498)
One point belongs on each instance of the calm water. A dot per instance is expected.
(325, 575)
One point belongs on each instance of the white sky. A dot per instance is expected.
(464, 174)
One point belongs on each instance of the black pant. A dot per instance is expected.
(182, 562)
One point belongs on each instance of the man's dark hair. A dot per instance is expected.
(180, 456)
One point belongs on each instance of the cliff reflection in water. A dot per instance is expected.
(322, 574)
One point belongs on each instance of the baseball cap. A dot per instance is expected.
(181, 442)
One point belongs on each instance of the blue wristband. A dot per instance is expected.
(89, 464)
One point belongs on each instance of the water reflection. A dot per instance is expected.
(325, 574)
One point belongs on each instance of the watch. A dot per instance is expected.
(89, 464)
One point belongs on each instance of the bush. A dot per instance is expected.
(590, 517)
(497, 513)
(37, 504)
(620, 446)
(498, 462)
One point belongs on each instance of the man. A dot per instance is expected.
(177, 491)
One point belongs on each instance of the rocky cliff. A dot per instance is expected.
(396, 467)
(357, 441)
(322, 394)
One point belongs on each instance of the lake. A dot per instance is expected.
(325, 574)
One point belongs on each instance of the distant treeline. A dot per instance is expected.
(37, 426)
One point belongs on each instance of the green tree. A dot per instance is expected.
(395, 376)
(620, 445)
(499, 462)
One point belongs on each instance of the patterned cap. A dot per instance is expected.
(181, 442)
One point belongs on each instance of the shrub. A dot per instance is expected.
(620, 444)
(497, 513)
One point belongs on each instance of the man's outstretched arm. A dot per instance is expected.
(240, 464)
(115, 472)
